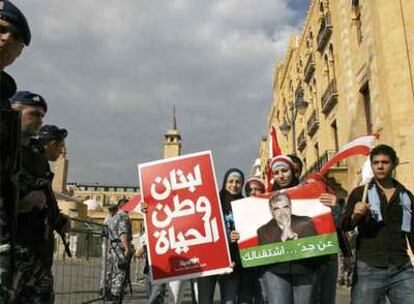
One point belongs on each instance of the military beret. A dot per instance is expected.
(10, 13)
(29, 99)
(51, 132)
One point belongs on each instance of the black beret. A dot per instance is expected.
(29, 98)
(10, 13)
(51, 132)
(7, 86)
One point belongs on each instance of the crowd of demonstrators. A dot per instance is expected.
(382, 212)
(314, 280)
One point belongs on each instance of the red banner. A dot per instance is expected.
(185, 230)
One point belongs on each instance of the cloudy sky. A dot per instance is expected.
(113, 70)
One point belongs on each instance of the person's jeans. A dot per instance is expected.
(157, 291)
(228, 288)
(373, 284)
(325, 287)
(288, 288)
(249, 287)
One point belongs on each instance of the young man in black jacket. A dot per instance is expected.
(385, 222)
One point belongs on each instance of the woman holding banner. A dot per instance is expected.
(231, 190)
(293, 281)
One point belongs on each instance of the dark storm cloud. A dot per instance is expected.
(112, 71)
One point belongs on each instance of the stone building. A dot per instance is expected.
(349, 73)
(103, 194)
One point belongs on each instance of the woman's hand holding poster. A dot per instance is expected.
(184, 222)
(283, 230)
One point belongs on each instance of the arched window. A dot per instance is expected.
(326, 68)
(321, 9)
(356, 19)
(331, 61)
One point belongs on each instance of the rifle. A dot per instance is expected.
(28, 184)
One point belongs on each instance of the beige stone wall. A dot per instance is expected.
(104, 198)
(370, 46)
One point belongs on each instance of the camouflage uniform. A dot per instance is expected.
(33, 281)
(120, 225)
(106, 272)
(9, 153)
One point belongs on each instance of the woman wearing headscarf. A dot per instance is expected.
(231, 190)
(250, 290)
(288, 282)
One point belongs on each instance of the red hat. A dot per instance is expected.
(254, 179)
(282, 160)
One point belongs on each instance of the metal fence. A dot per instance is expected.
(77, 279)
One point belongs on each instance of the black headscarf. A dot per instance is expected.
(226, 197)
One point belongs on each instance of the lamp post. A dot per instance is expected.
(299, 105)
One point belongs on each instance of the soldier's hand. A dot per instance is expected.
(360, 210)
(34, 199)
(68, 222)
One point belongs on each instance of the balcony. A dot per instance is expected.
(313, 124)
(323, 159)
(309, 68)
(301, 141)
(329, 98)
(324, 33)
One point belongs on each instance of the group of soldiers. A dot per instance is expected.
(117, 252)
(29, 213)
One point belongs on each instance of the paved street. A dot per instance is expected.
(139, 296)
(77, 281)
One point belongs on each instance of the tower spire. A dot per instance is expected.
(172, 143)
(174, 120)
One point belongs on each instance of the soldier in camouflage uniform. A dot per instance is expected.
(14, 34)
(38, 214)
(107, 269)
(120, 235)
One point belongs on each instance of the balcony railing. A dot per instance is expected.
(324, 33)
(323, 159)
(309, 68)
(313, 124)
(301, 141)
(329, 98)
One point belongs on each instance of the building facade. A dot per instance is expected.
(103, 195)
(349, 73)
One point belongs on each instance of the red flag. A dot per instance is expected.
(274, 149)
(360, 146)
(132, 204)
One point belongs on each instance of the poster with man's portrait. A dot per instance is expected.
(284, 226)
